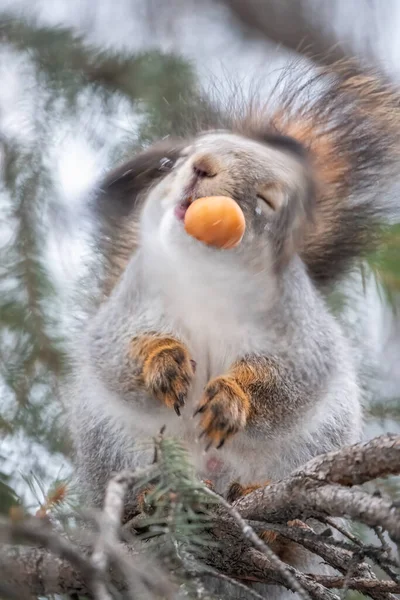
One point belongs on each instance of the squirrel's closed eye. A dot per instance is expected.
(271, 195)
(264, 198)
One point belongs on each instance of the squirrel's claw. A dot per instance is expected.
(199, 410)
(224, 410)
(167, 371)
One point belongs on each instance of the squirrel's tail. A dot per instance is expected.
(349, 120)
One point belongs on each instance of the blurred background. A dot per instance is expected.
(84, 84)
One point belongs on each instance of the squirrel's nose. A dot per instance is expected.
(205, 165)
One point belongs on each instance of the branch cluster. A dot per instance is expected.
(324, 489)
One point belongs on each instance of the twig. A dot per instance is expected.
(9, 593)
(234, 582)
(356, 583)
(32, 530)
(302, 535)
(381, 556)
(35, 532)
(330, 550)
(249, 533)
(288, 24)
(357, 464)
(31, 567)
(323, 488)
(381, 537)
(294, 26)
(196, 569)
(342, 530)
(313, 587)
(350, 573)
(335, 552)
(356, 504)
(110, 523)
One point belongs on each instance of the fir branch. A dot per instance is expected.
(162, 86)
(178, 503)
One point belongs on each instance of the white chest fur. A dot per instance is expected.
(220, 316)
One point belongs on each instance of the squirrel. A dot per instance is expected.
(236, 351)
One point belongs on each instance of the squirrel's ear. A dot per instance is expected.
(123, 188)
(118, 202)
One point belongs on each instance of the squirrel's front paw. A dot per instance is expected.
(167, 369)
(224, 410)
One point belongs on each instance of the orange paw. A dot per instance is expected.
(224, 410)
(209, 484)
(145, 506)
(237, 490)
(167, 369)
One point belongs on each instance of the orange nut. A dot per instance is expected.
(216, 221)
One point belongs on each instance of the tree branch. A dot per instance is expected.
(357, 583)
(322, 489)
(294, 25)
(248, 532)
(311, 489)
(355, 465)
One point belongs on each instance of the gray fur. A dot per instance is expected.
(225, 306)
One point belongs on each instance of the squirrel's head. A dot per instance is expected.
(268, 177)
(336, 130)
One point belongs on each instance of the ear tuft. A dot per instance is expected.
(123, 188)
(119, 200)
